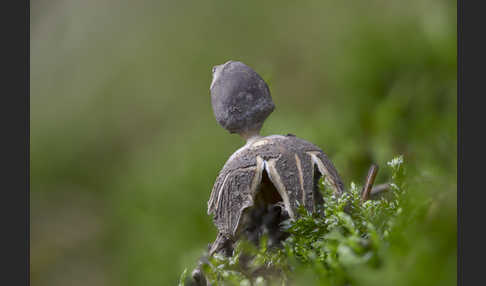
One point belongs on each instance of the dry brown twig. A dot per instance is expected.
(370, 179)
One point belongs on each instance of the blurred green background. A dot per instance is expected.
(125, 148)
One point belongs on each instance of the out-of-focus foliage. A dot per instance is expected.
(125, 149)
(344, 242)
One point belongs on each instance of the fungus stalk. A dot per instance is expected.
(251, 135)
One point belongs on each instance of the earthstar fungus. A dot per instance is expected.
(266, 180)
(276, 169)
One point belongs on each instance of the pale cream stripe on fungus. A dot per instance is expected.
(211, 203)
(277, 182)
(260, 164)
(301, 177)
(322, 168)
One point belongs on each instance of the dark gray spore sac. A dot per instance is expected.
(240, 97)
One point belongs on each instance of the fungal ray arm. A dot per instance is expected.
(328, 175)
(301, 177)
(215, 197)
(279, 185)
(249, 202)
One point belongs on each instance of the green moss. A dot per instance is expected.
(342, 241)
